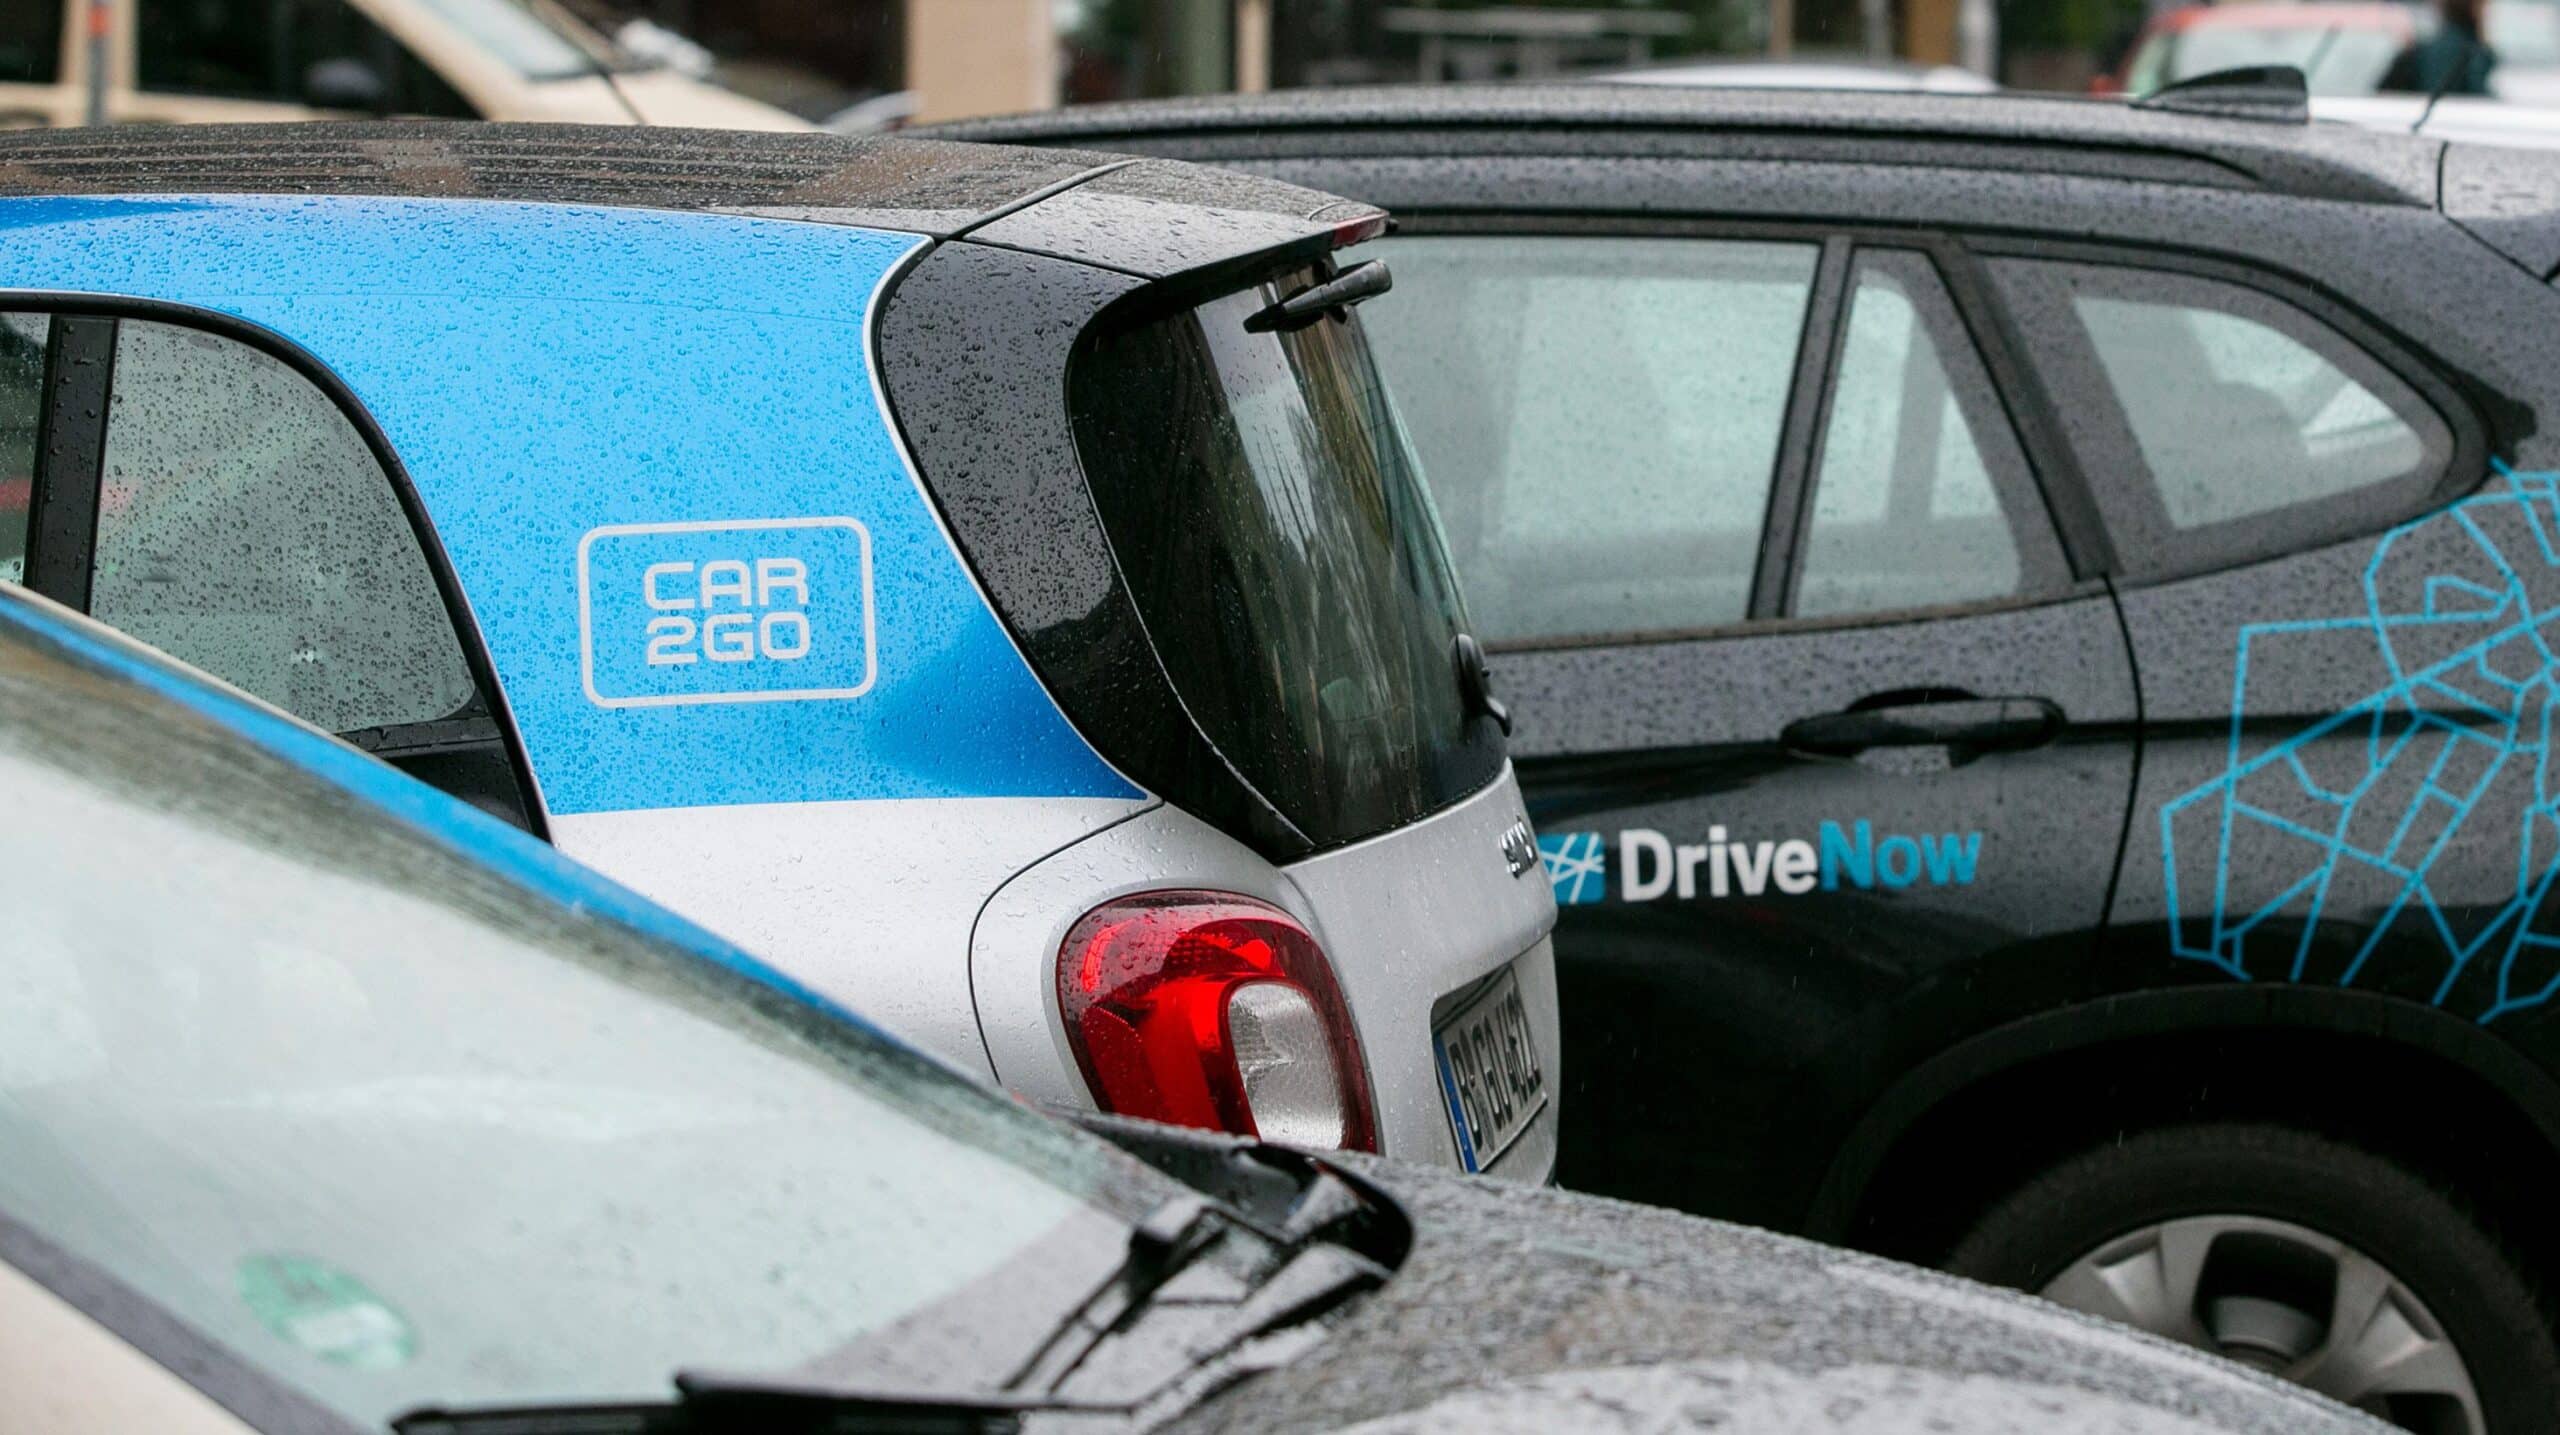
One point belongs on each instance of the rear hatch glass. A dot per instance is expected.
(1272, 525)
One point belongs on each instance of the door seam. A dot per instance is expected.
(2133, 788)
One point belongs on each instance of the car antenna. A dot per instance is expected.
(2444, 82)
(2274, 94)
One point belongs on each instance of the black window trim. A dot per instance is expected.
(2054, 463)
(62, 504)
(1799, 433)
(2465, 471)
(2050, 464)
(79, 430)
(2021, 496)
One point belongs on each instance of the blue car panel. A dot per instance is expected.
(693, 594)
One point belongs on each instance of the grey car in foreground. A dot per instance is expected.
(329, 1104)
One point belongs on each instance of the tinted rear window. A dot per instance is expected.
(1272, 524)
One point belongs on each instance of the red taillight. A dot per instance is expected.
(1212, 1010)
(1359, 231)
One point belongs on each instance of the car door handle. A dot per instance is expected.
(1975, 724)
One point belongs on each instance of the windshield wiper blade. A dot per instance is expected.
(709, 1404)
(1177, 1232)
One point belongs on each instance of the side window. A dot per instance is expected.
(244, 527)
(296, 52)
(22, 341)
(2227, 408)
(31, 42)
(1921, 494)
(1599, 418)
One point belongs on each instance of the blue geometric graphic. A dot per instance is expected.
(1577, 866)
(2377, 824)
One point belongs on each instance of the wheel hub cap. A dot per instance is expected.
(2287, 1300)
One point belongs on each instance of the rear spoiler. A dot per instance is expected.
(1158, 218)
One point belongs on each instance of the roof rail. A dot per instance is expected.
(2271, 94)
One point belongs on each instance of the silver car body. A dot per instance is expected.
(849, 815)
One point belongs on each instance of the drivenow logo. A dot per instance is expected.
(1651, 866)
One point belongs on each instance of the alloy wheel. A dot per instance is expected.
(2287, 1300)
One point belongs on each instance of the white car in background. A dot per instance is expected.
(2471, 121)
(1828, 74)
(211, 61)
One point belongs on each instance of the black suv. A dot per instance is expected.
(2033, 627)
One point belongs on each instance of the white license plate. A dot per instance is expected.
(1489, 1071)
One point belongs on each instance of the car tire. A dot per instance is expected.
(2213, 1235)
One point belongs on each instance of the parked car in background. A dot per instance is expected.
(2525, 37)
(205, 61)
(994, 586)
(2341, 48)
(2466, 120)
(1810, 75)
(351, 1107)
(2021, 618)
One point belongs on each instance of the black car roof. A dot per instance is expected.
(1151, 217)
(2030, 131)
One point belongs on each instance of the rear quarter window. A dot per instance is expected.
(244, 527)
(2217, 422)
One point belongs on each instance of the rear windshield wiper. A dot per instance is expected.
(1360, 281)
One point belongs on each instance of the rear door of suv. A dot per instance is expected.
(1812, 700)
(2343, 778)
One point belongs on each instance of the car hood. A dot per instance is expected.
(1534, 1310)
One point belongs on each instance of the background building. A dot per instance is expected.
(964, 57)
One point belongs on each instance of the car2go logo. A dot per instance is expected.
(1652, 866)
(755, 610)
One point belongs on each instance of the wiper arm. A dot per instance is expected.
(1166, 1240)
(755, 1405)
(1313, 1275)
(1353, 285)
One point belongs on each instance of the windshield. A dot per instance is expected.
(400, 1129)
(1271, 521)
(535, 40)
(2335, 60)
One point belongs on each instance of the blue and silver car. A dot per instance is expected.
(991, 584)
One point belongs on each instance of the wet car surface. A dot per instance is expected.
(656, 1177)
(1592, 1314)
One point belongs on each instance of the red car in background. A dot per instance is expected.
(2341, 49)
